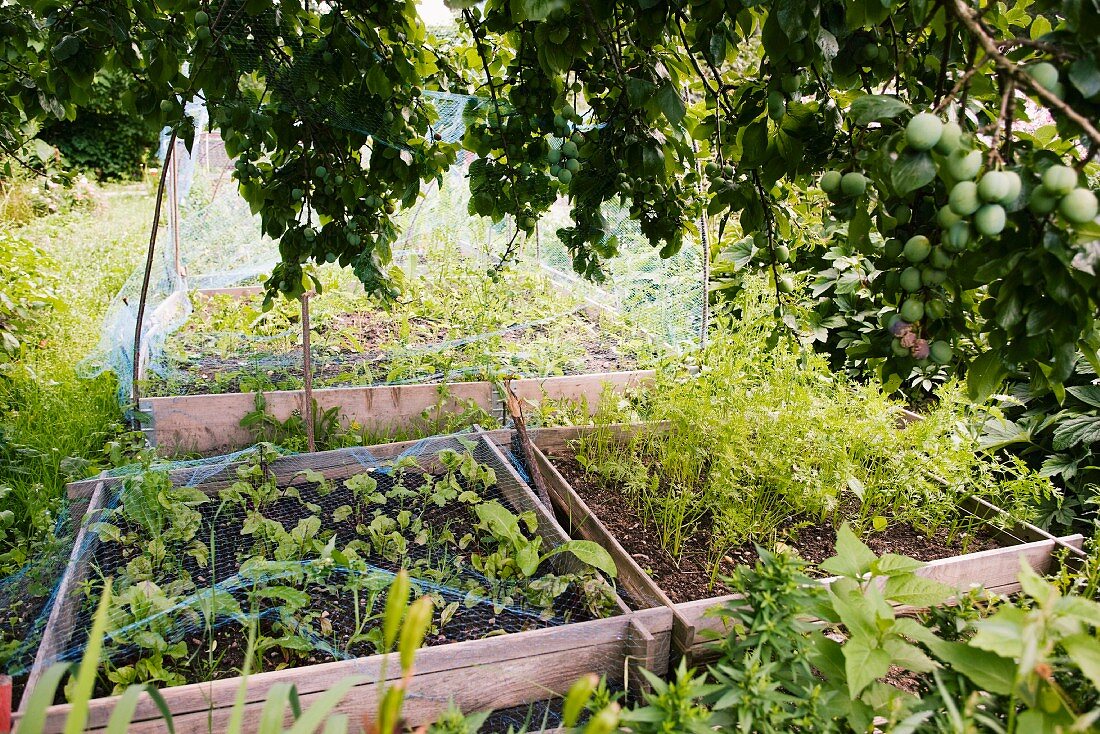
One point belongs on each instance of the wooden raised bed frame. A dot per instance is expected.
(208, 424)
(995, 569)
(491, 673)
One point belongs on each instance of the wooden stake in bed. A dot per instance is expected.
(307, 375)
(515, 409)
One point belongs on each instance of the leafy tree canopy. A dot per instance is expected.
(977, 235)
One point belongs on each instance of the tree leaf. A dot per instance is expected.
(1084, 75)
(984, 376)
(378, 83)
(912, 170)
(670, 103)
(872, 107)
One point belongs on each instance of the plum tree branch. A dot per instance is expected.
(969, 19)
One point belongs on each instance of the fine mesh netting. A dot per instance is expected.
(456, 318)
(300, 549)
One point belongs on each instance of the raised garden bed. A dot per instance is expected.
(460, 324)
(984, 549)
(207, 424)
(301, 548)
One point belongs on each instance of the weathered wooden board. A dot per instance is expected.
(67, 599)
(211, 423)
(244, 291)
(495, 672)
(492, 673)
(633, 578)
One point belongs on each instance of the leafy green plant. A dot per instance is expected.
(798, 653)
(27, 292)
(765, 439)
(518, 556)
(1058, 434)
(293, 545)
(406, 628)
(448, 326)
(673, 706)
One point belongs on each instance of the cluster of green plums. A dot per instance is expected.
(564, 161)
(974, 204)
(841, 186)
(1059, 191)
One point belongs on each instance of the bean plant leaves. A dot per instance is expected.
(1084, 650)
(892, 564)
(1002, 633)
(1086, 394)
(1083, 430)
(987, 669)
(916, 591)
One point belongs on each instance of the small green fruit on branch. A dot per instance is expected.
(969, 18)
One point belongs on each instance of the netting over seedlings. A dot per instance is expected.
(457, 319)
(299, 551)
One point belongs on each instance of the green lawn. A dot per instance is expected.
(54, 424)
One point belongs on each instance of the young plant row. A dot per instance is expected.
(456, 321)
(306, 560)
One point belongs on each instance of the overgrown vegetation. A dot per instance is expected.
(764, 440)
(54, 425)
(105, 140)
(980, 665)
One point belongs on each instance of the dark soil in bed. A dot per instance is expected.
(689, 578)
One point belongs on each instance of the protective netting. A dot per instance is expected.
(300, 550)
(457, 318)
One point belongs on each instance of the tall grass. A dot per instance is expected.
(53, 424)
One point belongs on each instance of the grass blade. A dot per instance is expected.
(336, 724)
(271, 716)
(236, 717)
(34, 720)
(89, 665)
(323, 706)
(162, 706)
(123, 712)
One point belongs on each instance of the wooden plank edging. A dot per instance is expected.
(64, 605)
(211, 423)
